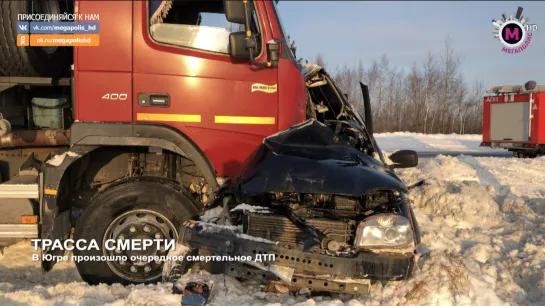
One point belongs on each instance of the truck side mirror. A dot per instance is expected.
(404, 159)
(235, 11)
(241, 47)
(273, 53)
(238, 46)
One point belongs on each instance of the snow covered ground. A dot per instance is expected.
(483, 226)
(431, 142)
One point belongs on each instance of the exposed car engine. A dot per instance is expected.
(335, 216)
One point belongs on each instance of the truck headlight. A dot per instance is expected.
(384, 230)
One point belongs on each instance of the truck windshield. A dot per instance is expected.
(284, 33)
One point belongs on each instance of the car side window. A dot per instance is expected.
(193, 24)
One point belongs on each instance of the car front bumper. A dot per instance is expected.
(312, 269)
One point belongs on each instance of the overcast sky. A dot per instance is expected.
(348, 31)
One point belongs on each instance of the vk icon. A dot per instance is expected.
(22, 27)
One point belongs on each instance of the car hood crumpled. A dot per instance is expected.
(306, 158)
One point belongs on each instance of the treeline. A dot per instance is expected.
(431, 97)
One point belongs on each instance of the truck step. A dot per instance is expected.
(18, 231)
(20, 187)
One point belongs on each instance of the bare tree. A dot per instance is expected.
(431, 75)
(320, 60)
(293, 48)
(472, 112)
(382, 77)
(413, 84)
(450, 63)
(429, 98)
(459, 104)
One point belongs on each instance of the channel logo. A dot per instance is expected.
(514, 33)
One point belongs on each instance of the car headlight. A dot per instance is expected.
(384, 230)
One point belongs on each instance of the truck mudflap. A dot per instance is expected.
(55, 219)
(296, 265)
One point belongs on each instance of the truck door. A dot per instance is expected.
(184, 77)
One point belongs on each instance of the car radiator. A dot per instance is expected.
(280, 228)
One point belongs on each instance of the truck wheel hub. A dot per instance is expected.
(129, 231)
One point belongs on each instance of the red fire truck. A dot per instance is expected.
(514, 119)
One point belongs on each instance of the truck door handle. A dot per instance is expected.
(153, 99)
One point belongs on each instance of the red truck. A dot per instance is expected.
(514, 119)
(171, 116)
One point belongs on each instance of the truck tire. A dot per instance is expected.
(142, 209)
(51, 62)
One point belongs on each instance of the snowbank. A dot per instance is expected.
(431, 142)
(482, 222)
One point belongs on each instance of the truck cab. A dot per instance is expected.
(172, 85)
(172, 63)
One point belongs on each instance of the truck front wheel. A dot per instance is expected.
(122, 215)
